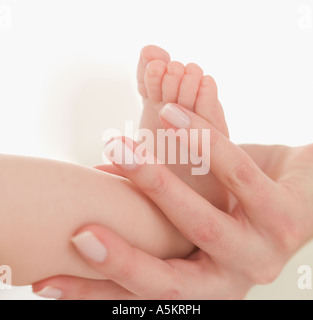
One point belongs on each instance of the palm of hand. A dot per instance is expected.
(274, 233)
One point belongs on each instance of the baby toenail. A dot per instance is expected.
(152, 72)
(191, 68)
(205, 82)
(188, 70)
(170, 70)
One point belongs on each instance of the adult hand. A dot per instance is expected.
(269, 216)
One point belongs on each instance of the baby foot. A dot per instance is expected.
(161, 81)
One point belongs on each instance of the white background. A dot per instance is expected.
(67, 72)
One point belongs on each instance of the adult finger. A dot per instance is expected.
(204, 225)
(229, 163)
(127, 266)
(202, 280)
(74, 288)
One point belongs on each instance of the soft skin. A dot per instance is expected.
(61, 197)
(269, 217)
(43, 202)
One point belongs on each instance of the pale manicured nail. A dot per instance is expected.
(175, 116)
(90, 246)
(50, 292)
(119, 153)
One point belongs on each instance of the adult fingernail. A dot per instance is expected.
(175, 116)
(90, 246)
(121, 154)
(50, 292)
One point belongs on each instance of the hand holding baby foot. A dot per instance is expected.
(162, 81)
(243, 239)
(269, 219)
